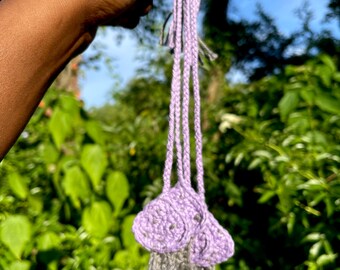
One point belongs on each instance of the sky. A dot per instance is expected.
(97, 85)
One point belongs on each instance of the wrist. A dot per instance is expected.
(71, 24)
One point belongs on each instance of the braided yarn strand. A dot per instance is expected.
(177, 227)
(197, 101)
(186, 95)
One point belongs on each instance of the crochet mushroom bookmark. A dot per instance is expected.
(177, 227)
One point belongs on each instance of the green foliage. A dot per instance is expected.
(74, 177)
(15, 233)
(18, 185)
(96, 219)
(62, 196)
(290, 144)
(94, 162)
(20, 265)
(117, 190)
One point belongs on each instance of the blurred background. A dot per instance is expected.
(93, 153)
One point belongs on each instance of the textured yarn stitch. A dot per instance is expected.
(177, 227)
(174, 261)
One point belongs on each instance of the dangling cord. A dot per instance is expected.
(191, 62)
(178, 107)
(197, 100)
(175, 112)
(186, 94)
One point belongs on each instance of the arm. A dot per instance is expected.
(37, 39)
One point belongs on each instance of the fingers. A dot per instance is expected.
(131, 18)
(144, 7)
(128, 23)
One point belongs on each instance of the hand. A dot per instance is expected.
(125, 13)
(37, 39)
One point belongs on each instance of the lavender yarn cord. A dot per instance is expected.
(175, 113)
(177, 227)
(186, 95)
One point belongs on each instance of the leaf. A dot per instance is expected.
(49, 248)
(327, 246)
(315, 249)
(316, 137)
(255, 163)
(94, 162)
(122, 258)
(117, 190)
(325, 259)
(312, 184)
(263, 153)
(48, 241)
(36, 204)
(298, 122)
(288, 104)
(291, 223)
(60, 126)
(328, 61)
(127, 235)
(267, 196)
(329, 206)
(18, 185)
(325, 74)
(285, 200)
(76, 185)
(128, 259)
(294, 85)
(95, 131)
(49, 153)
(69, 104)
(292, 70)
(317, 199)
(308, 95)
(238, 159)
(15, 233)
(20, 265)
(96, 219)
(327, 103)
(313, 237)
(336, 76)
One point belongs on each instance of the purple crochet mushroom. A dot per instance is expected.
(176, 226)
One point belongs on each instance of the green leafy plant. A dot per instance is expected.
(63, 201)
(291, 139)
